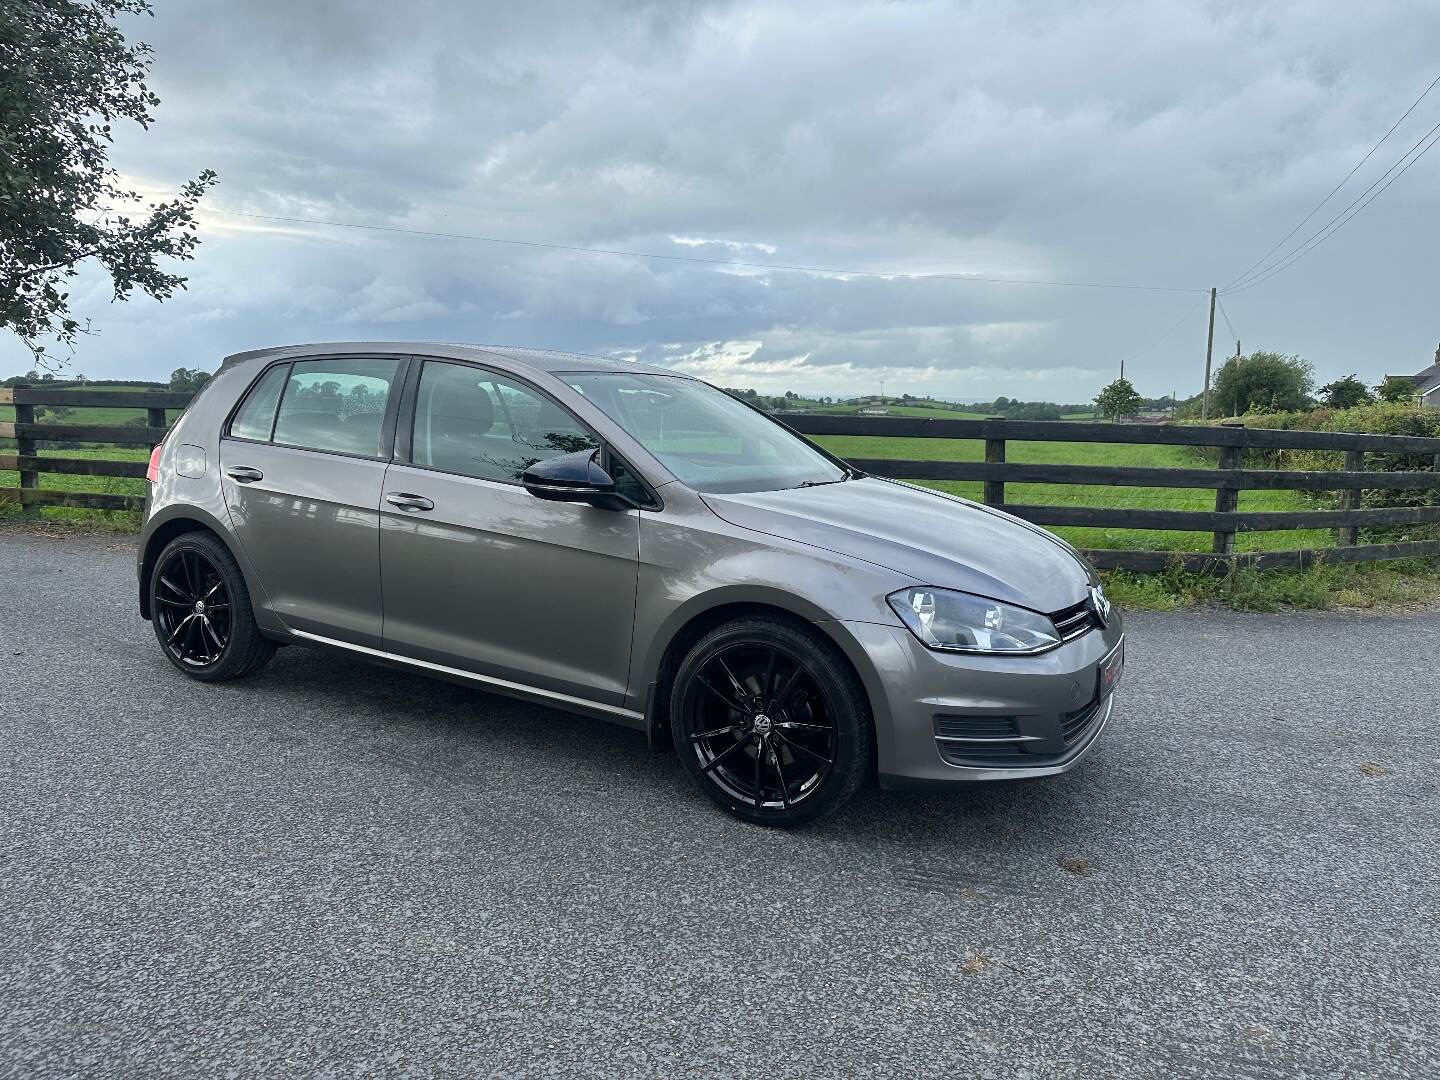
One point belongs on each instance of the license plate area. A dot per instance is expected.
(1107, 675)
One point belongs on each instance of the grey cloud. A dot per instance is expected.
(1157, 142)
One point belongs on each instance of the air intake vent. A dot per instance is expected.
(976, 727)
(1073, 725)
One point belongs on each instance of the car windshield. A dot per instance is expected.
(708, 439)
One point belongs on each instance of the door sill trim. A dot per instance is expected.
(503, 685)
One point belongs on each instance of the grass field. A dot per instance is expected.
(118, 520)
(922, 410)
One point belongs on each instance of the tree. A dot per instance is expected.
(66, 75)
(191, 379)
(1397, 389)
(744, 395)
(1263, 380)
(1345, 393)
(1034, 410)
(1118, 399)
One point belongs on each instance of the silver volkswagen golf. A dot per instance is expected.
(628, 543)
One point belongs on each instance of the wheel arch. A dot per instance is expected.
(688, 623)
(160, 534)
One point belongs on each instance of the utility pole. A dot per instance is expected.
(1209, 346)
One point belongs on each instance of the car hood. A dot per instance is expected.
(927, 536)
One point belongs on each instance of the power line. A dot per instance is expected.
(1326, 229)
(1337, 223)
(1226, 316)
(1337, 187)
(701, 259)
(1178, 323)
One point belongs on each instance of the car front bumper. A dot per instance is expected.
(956, 717)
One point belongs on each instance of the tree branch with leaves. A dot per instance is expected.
(67, 75)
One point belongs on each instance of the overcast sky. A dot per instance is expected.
(1156, 143)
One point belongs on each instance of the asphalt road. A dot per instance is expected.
(334, 870)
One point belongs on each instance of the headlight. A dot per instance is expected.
(964, 623)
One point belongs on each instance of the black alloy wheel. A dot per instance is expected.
(771, 722)
(192, 609)
(200, 609)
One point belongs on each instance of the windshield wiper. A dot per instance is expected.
(821, 483)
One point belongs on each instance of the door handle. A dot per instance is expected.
(405, 501)
(244, 474)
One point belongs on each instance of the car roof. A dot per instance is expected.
(548, 360)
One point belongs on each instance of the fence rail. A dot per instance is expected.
(1227, 480)
(1236, 435)
(28, 461)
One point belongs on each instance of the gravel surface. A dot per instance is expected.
(331, 869)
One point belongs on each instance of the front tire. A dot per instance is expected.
(771, 721)
(200, 610)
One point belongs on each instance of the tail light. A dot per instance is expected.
(152, 472)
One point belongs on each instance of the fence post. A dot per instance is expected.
(25, 447)
(1348, 535)
(1226, 498)
(995, 455)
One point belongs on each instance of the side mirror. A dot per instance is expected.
(575, 477)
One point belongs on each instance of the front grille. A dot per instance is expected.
(1075, 620)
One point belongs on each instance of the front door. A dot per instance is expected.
(302, 467)
(481, 575)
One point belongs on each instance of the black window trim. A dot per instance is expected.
(405, 427)
(234, 413)
(387, 421)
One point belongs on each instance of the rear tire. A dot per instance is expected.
(771, 721)
(200, 610)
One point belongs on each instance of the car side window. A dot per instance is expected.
(477, 423)
(336, 405)
(256, 416)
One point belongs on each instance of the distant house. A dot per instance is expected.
(874, 410)
(1427, 383)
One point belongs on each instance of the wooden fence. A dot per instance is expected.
(27, 434)
(1227, 480)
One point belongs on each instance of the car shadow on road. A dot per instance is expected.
(457, 741)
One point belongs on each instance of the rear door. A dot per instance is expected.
(481, 575)
(302, 467)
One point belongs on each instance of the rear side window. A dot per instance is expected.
(336, 405)
(257, 416)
